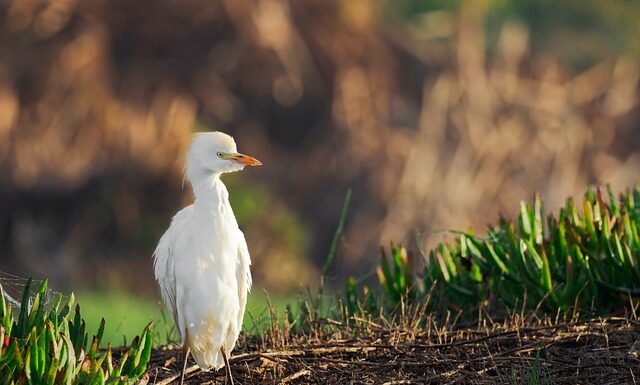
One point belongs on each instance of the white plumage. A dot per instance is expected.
(202, 261)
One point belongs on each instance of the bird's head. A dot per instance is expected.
(215, 153)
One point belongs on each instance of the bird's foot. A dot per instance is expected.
(227, 368)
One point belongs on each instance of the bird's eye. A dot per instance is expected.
(220, 154)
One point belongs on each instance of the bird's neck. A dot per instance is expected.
(210, 191)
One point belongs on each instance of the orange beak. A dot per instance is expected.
(244, 159)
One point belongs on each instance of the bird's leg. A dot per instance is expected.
(184, 364)
(226, 366)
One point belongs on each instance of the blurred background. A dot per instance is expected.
(439, 114)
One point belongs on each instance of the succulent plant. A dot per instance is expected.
(46, 345)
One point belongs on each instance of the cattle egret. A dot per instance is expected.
(202, 262)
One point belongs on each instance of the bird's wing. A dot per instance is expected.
(243, 274)
(164, 259)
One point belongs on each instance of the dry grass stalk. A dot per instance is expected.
(517, 349)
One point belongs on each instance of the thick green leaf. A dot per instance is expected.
(575, 259)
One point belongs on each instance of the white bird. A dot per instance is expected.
(202, 261)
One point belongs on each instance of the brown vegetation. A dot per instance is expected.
(98, 99)
(514, 351)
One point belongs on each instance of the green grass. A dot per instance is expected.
(126, 314)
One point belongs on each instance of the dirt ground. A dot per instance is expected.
(518, 351)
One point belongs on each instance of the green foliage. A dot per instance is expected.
(266, 216)
(397, 283)
(336, 238)
(587, 258)
(46, 345)
(396, 277)
(128, 314)
(583, 260)
(602, 29)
